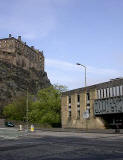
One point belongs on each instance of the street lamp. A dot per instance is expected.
(85, 91)
(27, 110)
(85, 71)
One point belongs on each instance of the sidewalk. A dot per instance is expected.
(76, 130)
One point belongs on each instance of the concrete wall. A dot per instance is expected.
(91, 123)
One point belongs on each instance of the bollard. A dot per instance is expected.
(20, 127)
(32, 128)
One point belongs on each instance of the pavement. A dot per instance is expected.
(60, 145)
(78, 130)
(51, 145)
(14, 132)
(11, 133)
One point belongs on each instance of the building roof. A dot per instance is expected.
(111, 83)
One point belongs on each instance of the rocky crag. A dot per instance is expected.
(14, 81)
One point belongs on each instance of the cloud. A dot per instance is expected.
(62, 65)
(103, 71)
(67, 66)
(71, 75)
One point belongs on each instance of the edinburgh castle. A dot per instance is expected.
(21, 67)
(18, 53)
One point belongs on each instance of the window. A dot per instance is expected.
(111, 92)
(88, 96)
(78, 111)
(69, 107)
(78, 114)
(98, 94)
(69, 114)
(104, 93)
(78, 98)
(107, 92)
(121, 90)
(117, 91)
(69, 99)
(69, 111)
(114, 91)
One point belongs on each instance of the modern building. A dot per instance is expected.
(18, 53)
(94, 107)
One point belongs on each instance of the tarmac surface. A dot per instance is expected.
(60, 145)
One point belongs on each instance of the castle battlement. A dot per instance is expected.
(20, 54)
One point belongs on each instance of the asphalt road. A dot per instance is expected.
(48, 145)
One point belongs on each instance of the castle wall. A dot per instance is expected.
(8, 57)
(7, 45)
(18, 53)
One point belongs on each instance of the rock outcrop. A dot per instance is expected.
(14, 82)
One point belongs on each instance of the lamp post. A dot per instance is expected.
(85, 88)
(85, 72)
(27, 110)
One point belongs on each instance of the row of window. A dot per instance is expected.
(78, 104)
(78, 112)
(110, 92)
(78, 98)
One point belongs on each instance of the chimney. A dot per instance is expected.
(10, 35)
(19, 38)
(32, 47)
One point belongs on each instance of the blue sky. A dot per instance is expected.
(68, 31)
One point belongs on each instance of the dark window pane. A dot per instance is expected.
(78, 98)
(88, 96)
(69, 99)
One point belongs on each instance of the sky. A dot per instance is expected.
(89, 32)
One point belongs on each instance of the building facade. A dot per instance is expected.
(95, 107)
(18, 53)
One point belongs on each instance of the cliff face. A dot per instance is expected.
(14, 82)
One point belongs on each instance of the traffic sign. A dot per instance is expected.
(86, 114)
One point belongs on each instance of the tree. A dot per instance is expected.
(16, 110)
(60, 88)
(46, 109)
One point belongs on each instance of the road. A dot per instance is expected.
(48, 145)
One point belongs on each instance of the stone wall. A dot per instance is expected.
(20, 54)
